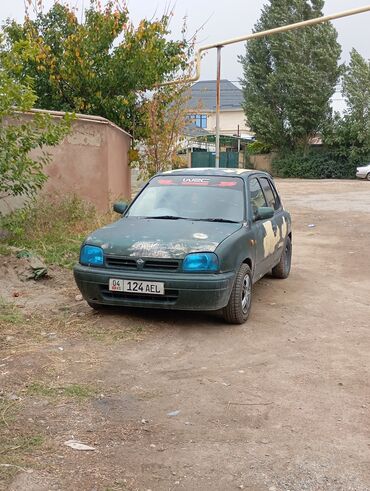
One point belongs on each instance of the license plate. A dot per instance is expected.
(134, 286)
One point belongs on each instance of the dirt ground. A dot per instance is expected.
(181, 401)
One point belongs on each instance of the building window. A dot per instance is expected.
(200, 120)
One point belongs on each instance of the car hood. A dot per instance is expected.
(143, 237)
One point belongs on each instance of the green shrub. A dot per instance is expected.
(258, 147)
(53, 228)
(315, 165)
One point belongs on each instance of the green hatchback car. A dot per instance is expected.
(192, 239)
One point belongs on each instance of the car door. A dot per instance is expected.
(260, 229)
(278, 222)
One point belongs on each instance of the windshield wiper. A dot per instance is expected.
(173, 217)
(224, 220)
(166, 217)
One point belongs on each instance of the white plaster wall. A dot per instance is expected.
(229, 121)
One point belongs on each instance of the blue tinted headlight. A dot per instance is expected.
(200, 261)
(91, 256)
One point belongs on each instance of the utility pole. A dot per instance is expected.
(218, 104)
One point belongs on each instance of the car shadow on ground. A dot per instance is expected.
(184, 319)
(167, 318)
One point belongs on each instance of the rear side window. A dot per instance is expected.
(256, 195)
(277, 197)
(271, 198)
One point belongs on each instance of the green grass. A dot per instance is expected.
(13, 451)
(14, 446)
(8, 412)
(52, 228)
(5, 250)
(22, 443)
(9, 313)
(74, 391)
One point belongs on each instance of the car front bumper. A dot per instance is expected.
(362, 174)
(183, 291)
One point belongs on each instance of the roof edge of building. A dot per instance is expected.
(79, 116)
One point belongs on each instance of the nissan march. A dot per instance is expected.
(192, 239)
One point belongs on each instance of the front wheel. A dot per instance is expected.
(239, 306)
(368, 176)
(282, 269)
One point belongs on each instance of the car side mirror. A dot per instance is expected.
(264, 213)
(120, 207)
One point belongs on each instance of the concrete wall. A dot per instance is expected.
(262, 162)
(119, 172)
(91, 162)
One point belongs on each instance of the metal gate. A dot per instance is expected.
(208, 159)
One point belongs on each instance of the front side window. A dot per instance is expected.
(257, 198)
(211, 198)
(270, 197)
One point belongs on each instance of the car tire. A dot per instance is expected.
(368, 176)
(239, 306)
(282, 269)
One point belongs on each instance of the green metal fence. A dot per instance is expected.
(208, 159)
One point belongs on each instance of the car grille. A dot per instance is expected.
(148, 265)
(161, 265)
(170, 296)
(120, 262)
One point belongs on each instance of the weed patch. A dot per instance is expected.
(8, 412)
(21, 443)
(53, 228)
(9, 313)
(5, 250)
(72, 391)
(13, 451)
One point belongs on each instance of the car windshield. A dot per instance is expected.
(211, 198)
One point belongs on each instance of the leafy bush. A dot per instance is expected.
(258, 147)
(53, 229)
(315, 165)
(20, 172)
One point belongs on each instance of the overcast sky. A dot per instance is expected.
(223, 20)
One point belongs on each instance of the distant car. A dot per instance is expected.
(363, 172)
(192, 239)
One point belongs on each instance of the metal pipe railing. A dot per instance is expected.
(256, 35)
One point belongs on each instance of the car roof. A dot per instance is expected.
(211, 171)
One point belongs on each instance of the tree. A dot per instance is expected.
(101, 65)
(20, 174)
(289, 78)
(164, 119)
(349, 135)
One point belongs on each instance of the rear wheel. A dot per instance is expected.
(368, 176)
(239, 306)
(282, 269)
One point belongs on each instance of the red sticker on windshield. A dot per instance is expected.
(166, 182)
(227, 184)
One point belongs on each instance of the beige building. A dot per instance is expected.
(202, 109)
(91, 162)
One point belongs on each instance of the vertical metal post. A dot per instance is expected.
(218, 103)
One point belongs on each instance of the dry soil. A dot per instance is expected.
(280, 403)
